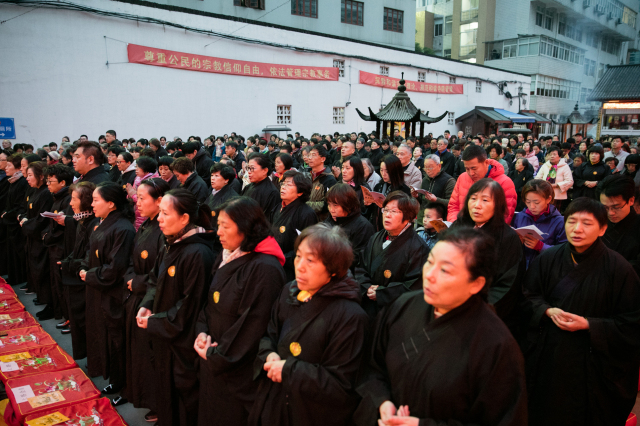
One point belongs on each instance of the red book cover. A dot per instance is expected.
(17, 320)
(21, 339)
(40, 359)
(96, 412)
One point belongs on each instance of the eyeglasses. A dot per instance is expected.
(431, 168)
(49, 181)
(391, 212)
(313, 156)
(251, 169)
(614, 208)
(287, 185)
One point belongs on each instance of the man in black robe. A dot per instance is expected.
(184, 171)
(87, 160)
(623, 226)
(583, 303)
(202, 161)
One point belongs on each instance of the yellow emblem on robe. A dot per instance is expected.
(124, 187)
(55, 211)
(595, 173)
(27, 198)
(144, 254)
(387, 274)
(282, 229)
(213, 213)
(31, 205)
(295, 348)
(216, 296)
(303, 296)
(171, 271)
(95, 227)
(97, 254)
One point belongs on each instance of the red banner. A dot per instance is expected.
(412, 86)
(187, 61)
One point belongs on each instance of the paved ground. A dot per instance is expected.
(133, 416)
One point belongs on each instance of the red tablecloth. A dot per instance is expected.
(99, 411)
(6, 291)
(42, 359)
(47, 392)
(10, 305)
(21, 339)
(17, 320)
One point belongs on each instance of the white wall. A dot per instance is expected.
(54, 80)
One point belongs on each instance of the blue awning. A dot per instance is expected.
(516, 118)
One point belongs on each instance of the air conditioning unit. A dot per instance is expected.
(586, 3)
(618, 21)
(609, 16)
(599, 9)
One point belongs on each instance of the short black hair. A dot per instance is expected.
(92, 149)
(190, 147)
(618, 185)
(227, 172)
(61, 173)
(232, 145)
(406, 204)
(438, 207)
(495, 146)
(147, 164)
(165, 161)
(587, 205)
(182, 165)
(320, 149)
(474, 152)
(301, 181)
(126, 156)
(111, 132)
(556, 149)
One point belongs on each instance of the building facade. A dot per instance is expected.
(565, 45)
(67, 72)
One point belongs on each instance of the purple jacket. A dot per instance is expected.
(551, 223)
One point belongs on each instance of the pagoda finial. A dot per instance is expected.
(402, 88)
(575, 108)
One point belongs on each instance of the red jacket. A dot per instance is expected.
(464, 183)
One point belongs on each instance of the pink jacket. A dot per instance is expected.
(464, 183)
(564, 178)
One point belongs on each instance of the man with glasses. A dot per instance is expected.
(439, 184)
(623, 226)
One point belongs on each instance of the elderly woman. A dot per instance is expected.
(73, 287)
(484, 205)
(558, 174)
(311, 353)
(476, 375)
(393, 257)
(370, 174)
(261, 188)
(293, 217)
(587, 176)
(247, 278)
(437, 183)
(103, 270)
(344, 211)
(176, 289)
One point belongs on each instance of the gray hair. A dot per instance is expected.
(369, 164)
(432, 157)
(404, 145)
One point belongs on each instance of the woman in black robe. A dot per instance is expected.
(309, 358)
(393, 258)
(59, 235)
(15, 242)
(344, 211)
(103, 270)
(127, 168)
(521, 174)
(485, 207)
(176, 292)
(353, 175)
(282, 164)
(261, 188)
(165, 172)
(221, 190)
(247, 278)
(146, 246)
(73, 287)
(33, 225)
(583, 307)
(449, 361)
(293, 217)
(392, 180)
(589, 174)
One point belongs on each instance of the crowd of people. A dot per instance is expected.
(338, 279)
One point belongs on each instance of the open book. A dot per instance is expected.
(439, 225)
(371, 197)
(52, 215)
(531, 231)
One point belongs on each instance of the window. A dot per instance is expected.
(478, 86)
(308, 8)
(437, 30)
(589, 67)
(451, 118)
(422, 76)
(548, 19)
(468, 39)
(583, 95)
(448, 25)
(254, 4)
(338, 115)
(592, 40)
(469, 10)
(338, 63)
(283, 114)
(555, 87)
(562, 24)
(629, 17)
(539, 15)
(352, 12)
(384, 70)
(392, 20)
(447, 53)
(452, 80)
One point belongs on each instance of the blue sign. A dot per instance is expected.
(7, 129)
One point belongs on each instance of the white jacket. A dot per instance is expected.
(564, 178)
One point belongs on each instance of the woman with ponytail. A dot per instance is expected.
(176, 292)
(247, 279)
(103, 270)
(148, 242)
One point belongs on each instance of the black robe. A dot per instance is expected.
(114, 174)
(215, 201)
(266, 195)
(329, 331)
(589, 172)
(624, 237)
(106, 262)
(174, 182)
(586, 377)
(74, 288)
(96, 175)
(176, 292)
(59, 240)
(128, 178)
(15, 242)
(197, 186)
(38, 274)
(463, 368)
(4, 192)
(148, 242)
(236, 316)
(519, 180)
(396, 269)
(287, 222)
(359, 231)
